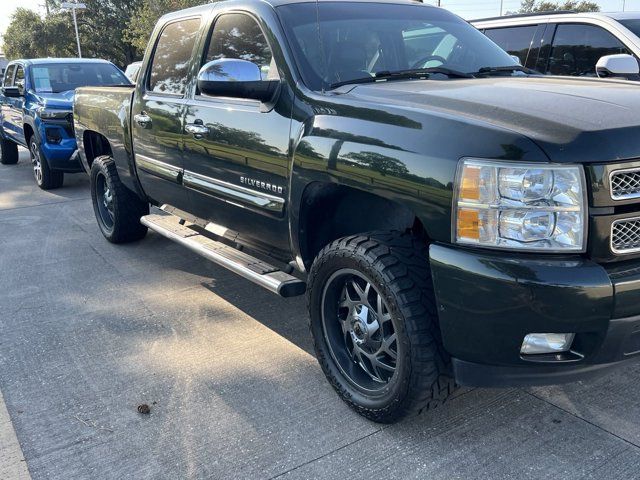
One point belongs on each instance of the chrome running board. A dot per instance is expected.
(259, 272)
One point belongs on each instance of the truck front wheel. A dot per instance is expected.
(46, 178)
(8, 152)
(375, 328)
(117, 209)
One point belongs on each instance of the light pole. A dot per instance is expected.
(73, 6)
(501, 7)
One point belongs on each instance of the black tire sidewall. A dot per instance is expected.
(392, 397)
(99, 168)
(8, 152)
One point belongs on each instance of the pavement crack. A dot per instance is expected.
(628, 442)
(342, 447)
(44, 204)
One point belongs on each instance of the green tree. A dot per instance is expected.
(531, 6)
(145, 16)
(101, 27)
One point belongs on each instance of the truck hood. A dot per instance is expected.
(61, 101)
(572, 120)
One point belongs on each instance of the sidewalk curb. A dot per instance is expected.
(12, 463)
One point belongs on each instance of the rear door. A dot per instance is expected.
(577, 47)
(237, 172)
(158, 112)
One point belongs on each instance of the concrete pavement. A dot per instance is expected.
(90, 330)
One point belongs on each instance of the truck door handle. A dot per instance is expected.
(197, 129)
(143, 120)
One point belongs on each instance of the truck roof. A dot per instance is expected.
(40, 61)
(277, 3)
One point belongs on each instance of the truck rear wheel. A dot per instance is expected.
(8, 152)
(46, 178)
(375, 328)
(117, 209)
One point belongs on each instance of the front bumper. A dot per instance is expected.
(488, 302)
(62, 154)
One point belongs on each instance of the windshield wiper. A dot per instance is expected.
(403, 74)
(505, 69)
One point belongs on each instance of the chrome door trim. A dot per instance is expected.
(231, 192)
(158, 168)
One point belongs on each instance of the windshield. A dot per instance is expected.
(362, 39)
(60, 77)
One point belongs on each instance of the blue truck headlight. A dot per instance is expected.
(53, 114)
(520, 206)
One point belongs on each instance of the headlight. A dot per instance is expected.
(520, 206)
(52, 114)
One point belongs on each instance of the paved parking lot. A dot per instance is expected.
(89, 330)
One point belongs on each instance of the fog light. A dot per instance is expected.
(536, 343)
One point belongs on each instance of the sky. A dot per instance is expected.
(466, 8)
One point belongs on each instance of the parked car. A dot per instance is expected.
(132, 71)
(568, 44)
(36, 100)
(452, 218)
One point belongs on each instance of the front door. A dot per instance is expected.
(237, 171)
(158, 114)
(12, 107)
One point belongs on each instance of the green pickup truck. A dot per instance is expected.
(454, 218)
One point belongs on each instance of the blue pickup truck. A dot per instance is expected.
(37, 112)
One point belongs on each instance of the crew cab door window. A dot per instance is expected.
(577, 48)
(514, 40)
(236, 35)
(172, 56)
(8, 76)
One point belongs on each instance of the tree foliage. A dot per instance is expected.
(101, 27)
(532, 6)
(147, 13)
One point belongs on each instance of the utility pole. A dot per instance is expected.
(501, 7)
(73, 6)
(624, 4)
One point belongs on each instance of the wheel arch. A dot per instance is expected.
(94, 144)
(329, 211)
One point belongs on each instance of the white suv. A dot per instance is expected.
(567, 44)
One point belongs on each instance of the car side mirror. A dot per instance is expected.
(516, 59)
(231, 77)
(617, 66)
(11, 92)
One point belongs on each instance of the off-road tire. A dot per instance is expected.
(46, 178)
(8, 152)
(127, 207)
(397, 265)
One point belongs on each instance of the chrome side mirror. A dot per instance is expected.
(231, 77)
(622, 66)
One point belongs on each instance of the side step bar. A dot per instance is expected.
(238, 262)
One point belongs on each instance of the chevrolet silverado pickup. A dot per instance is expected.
(453, 218)
(37, 104)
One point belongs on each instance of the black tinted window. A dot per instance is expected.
(514, 40)
(577, 48)
(239, 36)
(632, 24)
(170, 64)
(8, 76)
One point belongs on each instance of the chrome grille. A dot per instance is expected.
(625, 184)
(625, 235)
